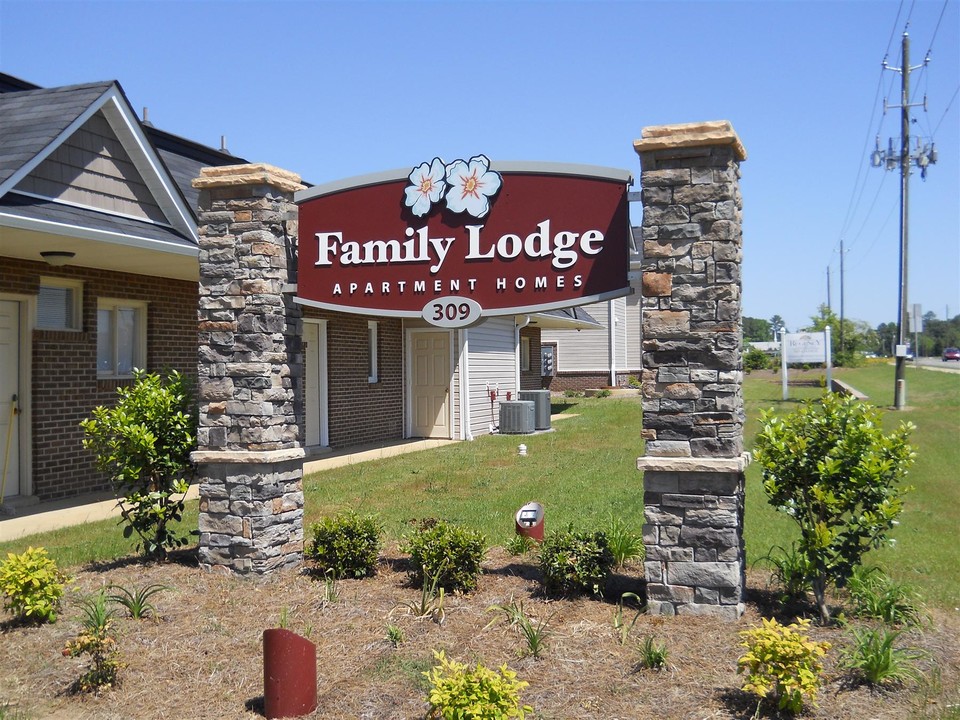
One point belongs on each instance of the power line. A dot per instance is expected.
(949, 105)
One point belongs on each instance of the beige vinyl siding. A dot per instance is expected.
(492, 358)
(589, 350)
(91, 169)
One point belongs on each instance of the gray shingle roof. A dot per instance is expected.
(37, 209)
(31, 119)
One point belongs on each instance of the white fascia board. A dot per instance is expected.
(86, 233)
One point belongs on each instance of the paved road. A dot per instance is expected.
(936, 363)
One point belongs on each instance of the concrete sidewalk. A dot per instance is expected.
(76, 511)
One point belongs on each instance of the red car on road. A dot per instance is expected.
(951, 354)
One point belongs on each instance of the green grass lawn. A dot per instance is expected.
(585, 471)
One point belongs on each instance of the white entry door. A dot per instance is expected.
(430, 394)
(9, 397)
(315, 384)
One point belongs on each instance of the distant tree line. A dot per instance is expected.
(854, 339)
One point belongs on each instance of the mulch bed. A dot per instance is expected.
(202, 658)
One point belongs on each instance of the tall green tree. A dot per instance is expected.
(847, 340)
(756, 330)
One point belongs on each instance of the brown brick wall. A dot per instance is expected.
(580, 381)
(361, 412)
(65, 388)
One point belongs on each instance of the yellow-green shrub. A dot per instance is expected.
(32, 585)
(782, 663)
(460, 693)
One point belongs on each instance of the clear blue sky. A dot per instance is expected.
(331, 90)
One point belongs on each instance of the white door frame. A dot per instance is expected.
(408, 385)
(28, 314)
(318, 355)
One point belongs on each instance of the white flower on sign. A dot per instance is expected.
(471, 186)
(426, 186)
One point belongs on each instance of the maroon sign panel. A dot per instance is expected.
(455, 242)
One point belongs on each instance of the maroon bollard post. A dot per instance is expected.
(289, 674)
(529, 521)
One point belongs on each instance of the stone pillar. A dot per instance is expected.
(249, 456)
(692, 369)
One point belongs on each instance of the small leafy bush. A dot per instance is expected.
(458, 692)
(144, 443)
(32, 585)
(575, 562)
(782, 664)
(875, 657)
(446, 553)
(754, 359)
(875, 595)
(634, 382)
(602, 393)
(96, 640)
(346, 545)
(572, 393)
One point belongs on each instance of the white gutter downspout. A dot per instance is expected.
(612, 338)
(465, 431)
(516, 345)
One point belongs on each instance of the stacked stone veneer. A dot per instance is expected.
(249, 456)
(692, 371)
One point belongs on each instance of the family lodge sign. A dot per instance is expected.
(455, 242)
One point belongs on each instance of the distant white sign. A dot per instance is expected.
(805, 347)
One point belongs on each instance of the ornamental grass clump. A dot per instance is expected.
(782, 664)
(830, 466)
(458, 692)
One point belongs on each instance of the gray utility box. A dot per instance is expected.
(517, 417)
(541, 404)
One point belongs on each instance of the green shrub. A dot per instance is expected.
(446, 553)
(32, 585)
(754, 359)
(574, 562)
(877, 596)
(346, 545)
(137, 601)
(782, 664)
(634, 382)
(876, 658)
(602, 393)
(830, 467)
(143, 443)
(96, 640)
(458, 692)
(572, 393)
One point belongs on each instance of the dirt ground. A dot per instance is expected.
(202, 658)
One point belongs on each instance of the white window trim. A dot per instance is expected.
(76, 322)
(140, 349)
(373, 347)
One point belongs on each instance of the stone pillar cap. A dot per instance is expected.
(248, 174)
(699, 134)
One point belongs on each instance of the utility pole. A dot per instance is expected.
(829, 305)
(841, 295)
(902, 159)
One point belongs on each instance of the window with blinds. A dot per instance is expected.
(59, 303)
